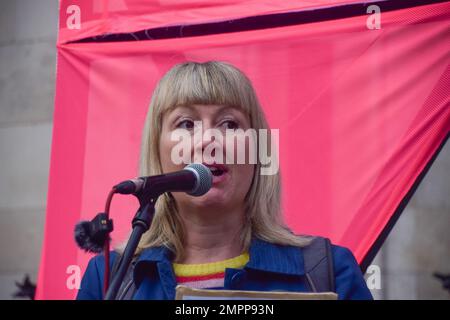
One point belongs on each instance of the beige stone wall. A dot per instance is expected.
(27, 80)
(418, 245)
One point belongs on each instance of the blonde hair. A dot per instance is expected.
(206, 83)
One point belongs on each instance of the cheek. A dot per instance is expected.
(165, 150)
(244, 174)
(244, 149)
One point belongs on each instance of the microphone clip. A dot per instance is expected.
(91, 236)
(100, 227)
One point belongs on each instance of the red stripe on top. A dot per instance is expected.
(200, 278)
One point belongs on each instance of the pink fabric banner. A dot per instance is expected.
(360, 113)
(122, 16)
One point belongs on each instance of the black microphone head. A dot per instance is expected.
(204, 179)
(84, 239)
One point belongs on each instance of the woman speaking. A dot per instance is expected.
(233, 236)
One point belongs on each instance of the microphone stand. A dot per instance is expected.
(141, 223)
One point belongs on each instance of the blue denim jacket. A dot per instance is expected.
(271, 267)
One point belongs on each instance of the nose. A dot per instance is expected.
(208, 144)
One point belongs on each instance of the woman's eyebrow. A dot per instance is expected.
(176, 111)
(231, 109)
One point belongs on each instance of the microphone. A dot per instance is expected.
(195, 179)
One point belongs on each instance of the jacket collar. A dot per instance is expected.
(155, 254)
(264, 256)
(270, 257)
(160, 257)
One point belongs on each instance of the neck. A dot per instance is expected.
(212, 234)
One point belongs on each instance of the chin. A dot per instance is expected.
(214, 197)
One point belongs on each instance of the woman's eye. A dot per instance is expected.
(186, 124)
(230, 124)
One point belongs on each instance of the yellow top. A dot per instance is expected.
(202, 269)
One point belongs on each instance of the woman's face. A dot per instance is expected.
(231, 181)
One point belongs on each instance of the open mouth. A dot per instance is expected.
(217, 170)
